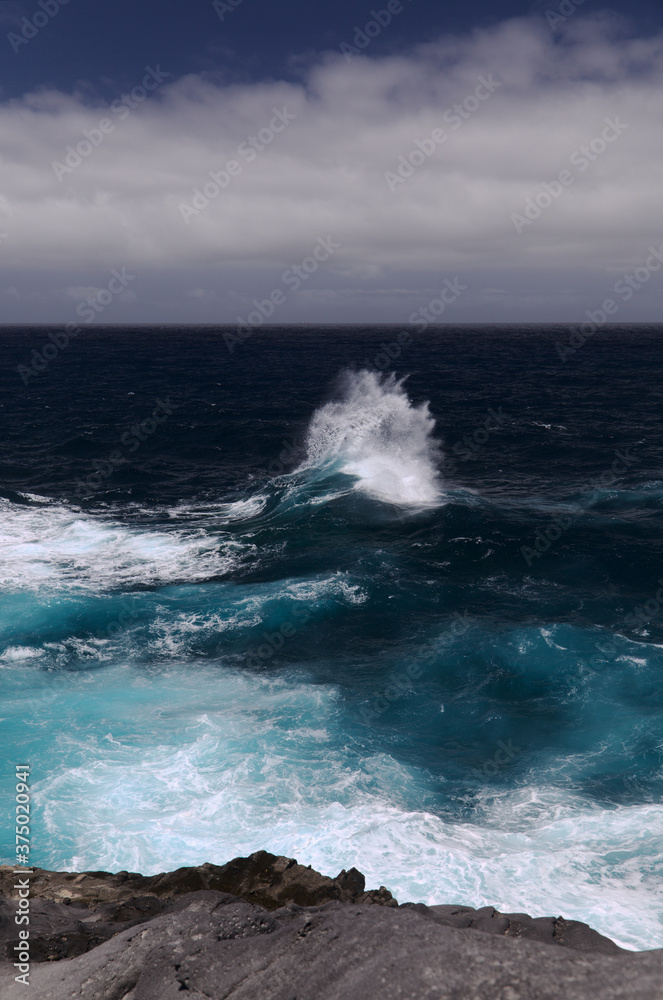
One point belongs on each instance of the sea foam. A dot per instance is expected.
(55, 546)
(374, 433)
(205, 765)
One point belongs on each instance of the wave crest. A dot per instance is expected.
(374, 433)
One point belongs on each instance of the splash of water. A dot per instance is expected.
(374, 433)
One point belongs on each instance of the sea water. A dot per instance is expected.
(398, 613)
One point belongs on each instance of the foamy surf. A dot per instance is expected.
(56, 546)
(374, 433)
(229, 764)
(207, 657)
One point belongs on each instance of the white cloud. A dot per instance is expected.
(323, 174)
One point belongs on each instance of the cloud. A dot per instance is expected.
(316, 167)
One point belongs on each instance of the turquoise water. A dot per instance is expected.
(354, 654)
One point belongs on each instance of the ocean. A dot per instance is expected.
(355, 595)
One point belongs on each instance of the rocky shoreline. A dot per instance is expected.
(268, 928)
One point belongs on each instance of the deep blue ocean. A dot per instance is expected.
(400, 613)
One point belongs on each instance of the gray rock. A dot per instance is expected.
(209, 945)
(551, 930)
(125, 936)
(59, 930)
(262, 878)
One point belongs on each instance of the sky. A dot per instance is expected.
(326, 162)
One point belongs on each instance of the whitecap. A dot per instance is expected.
(374, 433)
(58, 546)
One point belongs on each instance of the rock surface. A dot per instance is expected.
(262, 878)
(72, 912)
(210, 945)
(295, 935)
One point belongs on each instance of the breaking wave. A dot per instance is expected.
(374, 433)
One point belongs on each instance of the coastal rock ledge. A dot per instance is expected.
(267, 928)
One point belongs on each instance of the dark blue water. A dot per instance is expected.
(278, 599)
